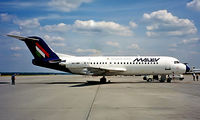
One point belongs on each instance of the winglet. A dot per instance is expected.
(22, 38)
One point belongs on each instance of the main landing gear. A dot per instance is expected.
(103, 80)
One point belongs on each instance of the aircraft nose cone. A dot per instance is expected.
(187, 68)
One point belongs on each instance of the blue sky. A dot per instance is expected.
(100, 27)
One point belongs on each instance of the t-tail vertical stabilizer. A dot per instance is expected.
(39, 49)
(43, 55)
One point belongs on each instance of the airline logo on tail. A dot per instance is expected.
(41, 52)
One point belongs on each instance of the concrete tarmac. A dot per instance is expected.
(69, 97)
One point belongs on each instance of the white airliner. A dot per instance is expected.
(103, 65)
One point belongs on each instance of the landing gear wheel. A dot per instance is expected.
(103, 80)
(149, 80)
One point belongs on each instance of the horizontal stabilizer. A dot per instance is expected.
(22, 38)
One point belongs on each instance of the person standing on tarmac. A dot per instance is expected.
(13, 79)
(193, 76)
(197, 77)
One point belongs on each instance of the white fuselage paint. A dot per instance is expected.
(104, 65)
(133, 65)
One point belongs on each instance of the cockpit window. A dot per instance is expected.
(176, 62)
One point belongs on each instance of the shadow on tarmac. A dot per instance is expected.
(92, 83)
(77, 84)
(4, 82)
(88, 83)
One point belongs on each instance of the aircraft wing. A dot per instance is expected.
(104, 70)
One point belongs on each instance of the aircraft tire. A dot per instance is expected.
(149, 80)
